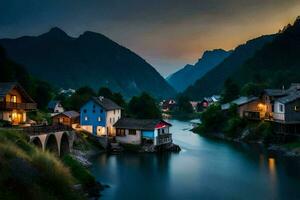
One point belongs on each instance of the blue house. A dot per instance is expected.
(98, 115)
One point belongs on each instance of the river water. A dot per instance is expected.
(204, 169)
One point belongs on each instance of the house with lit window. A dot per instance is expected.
(98, 115)
(143, 131)
(67, 118)
(14, 103)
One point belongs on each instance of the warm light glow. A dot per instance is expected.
(272, 165)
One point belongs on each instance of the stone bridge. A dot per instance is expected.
(56, 139)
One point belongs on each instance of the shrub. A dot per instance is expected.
(234, 127)
(212, 119)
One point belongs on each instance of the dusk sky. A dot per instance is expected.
(167, 33)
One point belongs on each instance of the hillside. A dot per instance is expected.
(186, 76)
(91, 59)
(213, 81)
(277, 63)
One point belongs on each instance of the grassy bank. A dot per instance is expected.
(28, 173)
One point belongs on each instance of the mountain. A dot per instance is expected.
(212, 82)
(90, 59)
(277, 64)
(186, 76)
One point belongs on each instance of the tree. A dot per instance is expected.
(43, 94)
(105, 92)
(184, 105)
(212, 119)
(252, 89)
(118, 99)
(81, 96)
(231, 91)
(144, 107)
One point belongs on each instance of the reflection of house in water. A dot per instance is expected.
(14, 103)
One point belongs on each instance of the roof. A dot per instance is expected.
(106, 103)
(6, 87)
(240, 101)
(141, 124)
(289, 98)
(70, 114)
(275, 92)
(52, 104)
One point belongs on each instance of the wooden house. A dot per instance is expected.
(14, 103)
(139, 131)
(68, 118)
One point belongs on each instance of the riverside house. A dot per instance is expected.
(143, 131)
(14, 103)
(98, 115)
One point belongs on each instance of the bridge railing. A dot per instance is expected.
(37, 130)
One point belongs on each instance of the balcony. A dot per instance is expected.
(23, 106)
(164, 139)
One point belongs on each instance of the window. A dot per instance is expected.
(101, 111)
(120, 132)
(99, 119)
(280, 107)
(132, 132)
(13, 99)
(110, 120)
(85, 118)
(297, 108)
(94, 110)
(113, 120)
(84, 110)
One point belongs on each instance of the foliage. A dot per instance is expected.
(116, 97)
(260, 132)
(144, 107)
(105, 92)
(234, 127)
(231, 91)
(81, 96)
(212, 119)
(40, 116)
(39, 90)
(82, 175)
(184, 105)
(293, 145)
(28, 173)
(252, 89)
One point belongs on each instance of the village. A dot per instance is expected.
(100, 117)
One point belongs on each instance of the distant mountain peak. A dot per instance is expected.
(57, 33)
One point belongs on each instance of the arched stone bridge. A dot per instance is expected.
(56, 139)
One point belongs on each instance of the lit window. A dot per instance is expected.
(85, 118)
(99, 119)
(297, 108)
(13, 99)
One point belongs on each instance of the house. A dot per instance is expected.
(194, 104)
(247, 107)
(55, 107)
(207, 101)
(68, 118)
(14, 103)
(98, 115)
(168, 105)
(141, 131)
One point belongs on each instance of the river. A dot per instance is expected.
(204, 169)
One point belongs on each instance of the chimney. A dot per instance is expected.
(101, 98)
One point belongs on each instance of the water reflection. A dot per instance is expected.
(206, 169)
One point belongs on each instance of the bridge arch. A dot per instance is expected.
(37, 142)
(64, 144)
(51, 144)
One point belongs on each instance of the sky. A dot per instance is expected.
(167, 33)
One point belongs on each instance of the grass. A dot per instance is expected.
(28, 173)
(82, 175)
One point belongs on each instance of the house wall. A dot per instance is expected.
(58, 108)
(112, 117)
(254, 106)
(92, 111)
(16, 93)
(130, 139)
(65, 120)
(277, 114)
(292, 115)
(7, 115)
